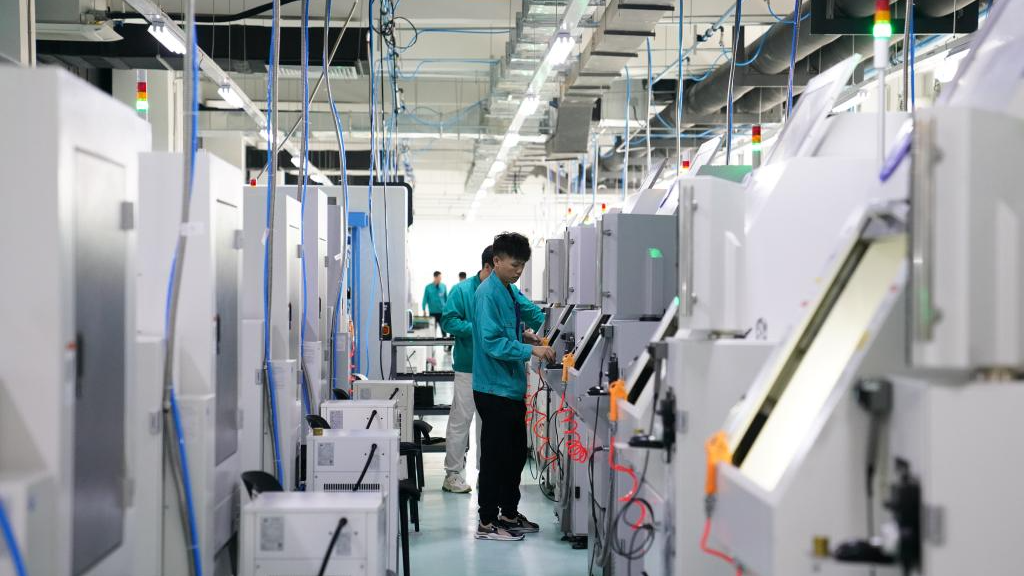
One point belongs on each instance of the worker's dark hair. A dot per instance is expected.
(436, 273)
(462, 275)
(487, 258)
(513, 245)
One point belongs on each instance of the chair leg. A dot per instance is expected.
(421, 481)
(403, 529)
(414, 508)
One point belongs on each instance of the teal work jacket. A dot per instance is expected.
(434, 297)
(499, 355)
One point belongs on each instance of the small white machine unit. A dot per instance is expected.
(360, 414)
(401, 391)
(294, 532)
(358, 461)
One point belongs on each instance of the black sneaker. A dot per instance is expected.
(518, 525)
(495, 531)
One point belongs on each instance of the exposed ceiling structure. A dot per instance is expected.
(466, 66)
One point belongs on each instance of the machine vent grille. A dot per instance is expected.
(347, 487)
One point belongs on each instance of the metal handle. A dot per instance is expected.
(922, 226)
(686, 252)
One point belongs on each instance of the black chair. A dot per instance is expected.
(421, 432)
(317, 421)
(340, 394)
(257, 482)
(408, 505)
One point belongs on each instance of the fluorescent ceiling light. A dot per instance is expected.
(499, 166)
(561, 48)
(948, 68)
(229, 95)
(530, 104)
(488, 183)
(161, 32)
(854, 101)
(321, 179)
(296, 161)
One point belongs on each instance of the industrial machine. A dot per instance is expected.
(378, 283)
(360, 414)
(401, 391)
(297, 532)
(358, 461)
(67, 347)
(207, 376)
(270, 399)
(908, 344)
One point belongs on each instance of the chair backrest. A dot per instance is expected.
(257, 482)
(317, 421)
(340, 394)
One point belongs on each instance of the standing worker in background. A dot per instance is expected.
(434, 297)
(458, 321)
(501, 347)
(462, 276)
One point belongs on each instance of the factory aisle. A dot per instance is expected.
(445, 545)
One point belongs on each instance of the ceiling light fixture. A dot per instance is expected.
(561, 48)
(229, 95)
(160, 31)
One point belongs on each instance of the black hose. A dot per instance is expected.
(369, 421)
(208, 18)
(330, 547)
(359, 483)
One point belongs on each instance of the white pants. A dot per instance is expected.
(459, 421)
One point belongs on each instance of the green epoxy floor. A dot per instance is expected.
(445, 545)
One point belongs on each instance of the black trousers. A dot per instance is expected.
(437, 320)
(502, 454)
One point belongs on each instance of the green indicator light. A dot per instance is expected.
(141, 105)
(654, 253)
(756, 147)
(676, 300)
(882, 30)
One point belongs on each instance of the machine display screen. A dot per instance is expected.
(815, 359)
(592, 335)
(648, 370)
(561, 322)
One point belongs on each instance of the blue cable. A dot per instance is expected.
(185, 476)
(913, 58)
(792, 58)
(271, 152)
(11, 542)
(680, 76)
(193, 540)
(306, 400)
(625, 137)
(344, 226)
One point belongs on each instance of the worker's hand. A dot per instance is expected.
(530, 337)
(544, 353)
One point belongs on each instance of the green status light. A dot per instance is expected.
(654, 253)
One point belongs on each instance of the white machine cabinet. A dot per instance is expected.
(581, 248)
(338, 459)
(360, 414)
(554, 271)
(290, 533)
(401, 391)
(67, 346)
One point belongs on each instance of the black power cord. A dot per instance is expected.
(359, 482)
(330, 547)
(369, 421)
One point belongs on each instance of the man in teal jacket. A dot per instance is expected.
(501, 347)
(434, 297)
(458, 321)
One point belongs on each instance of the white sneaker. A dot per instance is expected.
(454, 483)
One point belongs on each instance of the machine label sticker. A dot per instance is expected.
(272, 534)
(336, 418)
(325, 454)
(365, 394)
(343, 547)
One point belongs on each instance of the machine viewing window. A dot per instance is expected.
(561, 322)
(814, 363)
(648, 370)
(592, 335)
